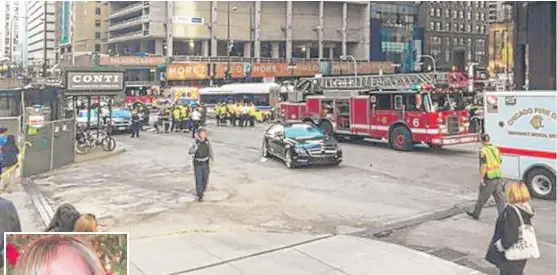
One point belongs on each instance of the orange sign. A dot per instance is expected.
(147, 61)
(236, 70)
(185, 71)
(281, 69)
(373, 67)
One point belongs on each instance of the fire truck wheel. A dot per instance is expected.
(326, 127)
(435, 146)
(401, 139)
(541, 183)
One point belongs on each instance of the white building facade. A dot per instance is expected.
(40, 27)
(10, 46)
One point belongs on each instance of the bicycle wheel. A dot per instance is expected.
(82, 147)
(108, 143)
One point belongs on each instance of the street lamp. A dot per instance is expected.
(230, 43)
(345, 57)
(432, 61)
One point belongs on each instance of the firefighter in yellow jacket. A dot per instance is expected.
(177, 118)
(231, 110)
(219, 113)
(252, 114)
(184, 115)
(166, 118)
(491, 178)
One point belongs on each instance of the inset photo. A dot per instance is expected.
(42, 253)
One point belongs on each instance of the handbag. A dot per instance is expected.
(526, 247)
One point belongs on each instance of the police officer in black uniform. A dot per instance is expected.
(202, 154)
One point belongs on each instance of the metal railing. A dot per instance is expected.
(142, 83)
(126, 9)
(121, 24)
(125, 36)
(217, 59)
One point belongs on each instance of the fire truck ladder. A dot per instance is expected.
(313, 85)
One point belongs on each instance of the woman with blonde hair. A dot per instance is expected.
(86, 223)
(59, 255)
(508, 228)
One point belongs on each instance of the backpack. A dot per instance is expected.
(64, 219)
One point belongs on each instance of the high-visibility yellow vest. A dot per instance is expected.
(218, 110)
(231, 108)
(252, 110)
(184, 113)
(177, 114)
(493, 159)
(239, 110)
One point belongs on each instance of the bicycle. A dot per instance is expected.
(87, 140)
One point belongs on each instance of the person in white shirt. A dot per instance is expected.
(196, 121)
(245, 116)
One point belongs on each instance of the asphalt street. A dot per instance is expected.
(149, 189)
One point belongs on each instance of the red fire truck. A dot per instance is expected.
(404, 109)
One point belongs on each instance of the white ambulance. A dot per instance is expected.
(522, 125)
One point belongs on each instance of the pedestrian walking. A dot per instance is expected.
(514, 241)
(9, 163)
(9, 222)
(135, 125)
(196, 121)
(202, 157)
(491, 178)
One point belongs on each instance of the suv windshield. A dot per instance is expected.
(303, 131)
(448, 101)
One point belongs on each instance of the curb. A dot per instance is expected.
(103, 156)
(386, 229)
(41, 204)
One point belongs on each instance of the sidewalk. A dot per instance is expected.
(28, 215)
(273, 253)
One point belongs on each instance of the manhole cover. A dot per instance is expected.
(448, 254)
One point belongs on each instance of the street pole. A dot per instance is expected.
(228, 41)
(432, 60)
(11, 37)
(45, 38)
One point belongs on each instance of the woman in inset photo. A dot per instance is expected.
(59, 255)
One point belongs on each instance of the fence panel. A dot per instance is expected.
(63, 134)
(12, 124)
(38, 151)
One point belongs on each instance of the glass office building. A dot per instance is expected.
(395, 36)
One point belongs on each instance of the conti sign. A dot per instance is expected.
(198, 71)
(89, 81)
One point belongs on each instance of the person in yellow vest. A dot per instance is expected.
(177, 116)
(166, 118)
(231, 110)
(239, 114)
(491, 178)
(218, 113)
(252, 113)
(184, 114)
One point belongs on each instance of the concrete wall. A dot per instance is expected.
(158, 19)
(192, 9)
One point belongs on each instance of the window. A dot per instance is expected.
(383, 102)
(455, 14)
(438, 26)
(477, 28)
(432, 27)
(447, 26)
(455, 42)
(482, 16)
(469, 15)
(477, 16)
(461, 27)
(97, 23)
(455, 27)
(413, 105)
(461, 14)
(97, 10)
(432, 12)
(97, 35)
(97, 47)
(438, 13)
(468, 28)
(482, 29)
(461, 42)
(274, 130)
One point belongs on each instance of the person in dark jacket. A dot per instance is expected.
(64, 219)
(135, 124)
(507, 229)
(202, 154)
(9, 222)
(9, 162)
